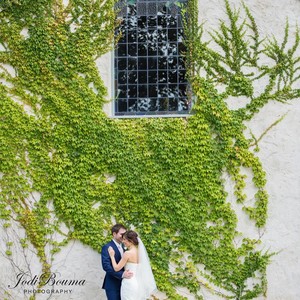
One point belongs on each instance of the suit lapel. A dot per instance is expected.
(117, 252)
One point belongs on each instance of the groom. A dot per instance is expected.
(113, 279)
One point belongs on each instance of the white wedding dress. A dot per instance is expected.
(130, 287)
(142, 284)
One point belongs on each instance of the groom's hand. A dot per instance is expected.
(127, 274)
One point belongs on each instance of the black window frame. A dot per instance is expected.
(149, 65)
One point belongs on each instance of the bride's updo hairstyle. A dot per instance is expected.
(131, 236)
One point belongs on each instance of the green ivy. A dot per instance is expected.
(56, 140)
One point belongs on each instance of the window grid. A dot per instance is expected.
(150, 76)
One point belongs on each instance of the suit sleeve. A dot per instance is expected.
(106, 264)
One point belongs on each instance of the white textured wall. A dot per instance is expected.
(280, 156)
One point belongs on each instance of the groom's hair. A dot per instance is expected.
(117, 227)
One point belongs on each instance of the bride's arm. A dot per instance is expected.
(122, 262)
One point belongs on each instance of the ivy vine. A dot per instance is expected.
(56, 141)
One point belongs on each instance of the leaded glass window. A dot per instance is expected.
(150, 74)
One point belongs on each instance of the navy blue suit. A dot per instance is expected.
(112, 280)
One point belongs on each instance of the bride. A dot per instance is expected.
(142, 284)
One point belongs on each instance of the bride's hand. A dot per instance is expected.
(111, 251)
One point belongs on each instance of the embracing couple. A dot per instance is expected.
(128, 273)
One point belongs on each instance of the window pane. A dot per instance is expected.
(153, 91)
(143, 104)
(132, 50)
(122, 77)
(152, 76)
(132, 36)
(122, 50)
(142, 63)
(132, 91)
(162, 63)
(142, 77)
(152, 20)
(163, 104)
(173, 104)
(132, 77)
(152, 63)
(122, 105)
(142, 49)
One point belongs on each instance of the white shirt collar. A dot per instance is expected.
(119, 246)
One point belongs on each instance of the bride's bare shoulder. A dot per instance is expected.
(132, 255)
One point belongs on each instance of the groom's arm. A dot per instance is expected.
(107, 266)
